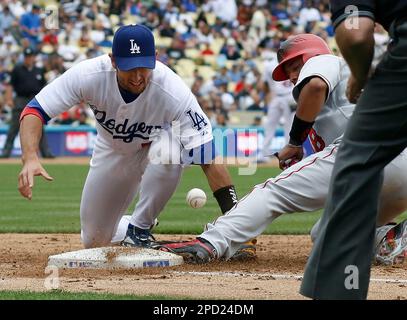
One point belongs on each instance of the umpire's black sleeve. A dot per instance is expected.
(341, 9)
(14, 77)
(43, 78)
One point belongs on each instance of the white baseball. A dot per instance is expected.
(196, 198)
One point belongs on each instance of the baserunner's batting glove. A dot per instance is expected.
(285, 164)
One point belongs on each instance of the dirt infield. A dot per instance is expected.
(275, 274)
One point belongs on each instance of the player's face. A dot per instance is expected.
(135, 80)
(293, 68)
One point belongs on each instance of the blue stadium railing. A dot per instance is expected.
(66, 140)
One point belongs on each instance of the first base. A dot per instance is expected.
(115, 258)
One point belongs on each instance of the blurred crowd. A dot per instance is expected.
(218, 47)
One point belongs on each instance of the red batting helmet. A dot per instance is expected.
(306, 45)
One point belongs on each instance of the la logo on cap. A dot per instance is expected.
(134, 48)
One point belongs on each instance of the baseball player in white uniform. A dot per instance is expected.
(148, 124)
(279, 104)
(322, 113)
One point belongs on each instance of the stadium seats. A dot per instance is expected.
(192, 53)
(114, 19)
(206, 72)
(163, 42)
(243, 118)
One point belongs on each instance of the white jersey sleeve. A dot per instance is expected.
(193, 125)
(174, 98)
(331, 121)
(62, 93)
(327, 67)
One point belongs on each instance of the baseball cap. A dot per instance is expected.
(133, 47)
(28, 52)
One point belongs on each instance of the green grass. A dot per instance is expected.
(55, 205)
(64, 295)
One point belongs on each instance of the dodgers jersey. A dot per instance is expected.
(331, 122)
(126, 127)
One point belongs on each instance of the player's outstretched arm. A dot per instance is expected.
(30, 135)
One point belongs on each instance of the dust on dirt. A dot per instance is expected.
(274, 275)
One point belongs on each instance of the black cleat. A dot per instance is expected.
(197, 251)
(136, 237)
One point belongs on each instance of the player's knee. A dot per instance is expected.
(94, 240)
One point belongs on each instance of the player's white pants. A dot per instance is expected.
(112, 184)
(158, 184)
(278, 107)
(301, 188)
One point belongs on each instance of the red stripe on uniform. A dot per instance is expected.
(299, 169)
(265, 183)
(27, 110)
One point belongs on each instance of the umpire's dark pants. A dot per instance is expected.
(339, 265)
(19, 105)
